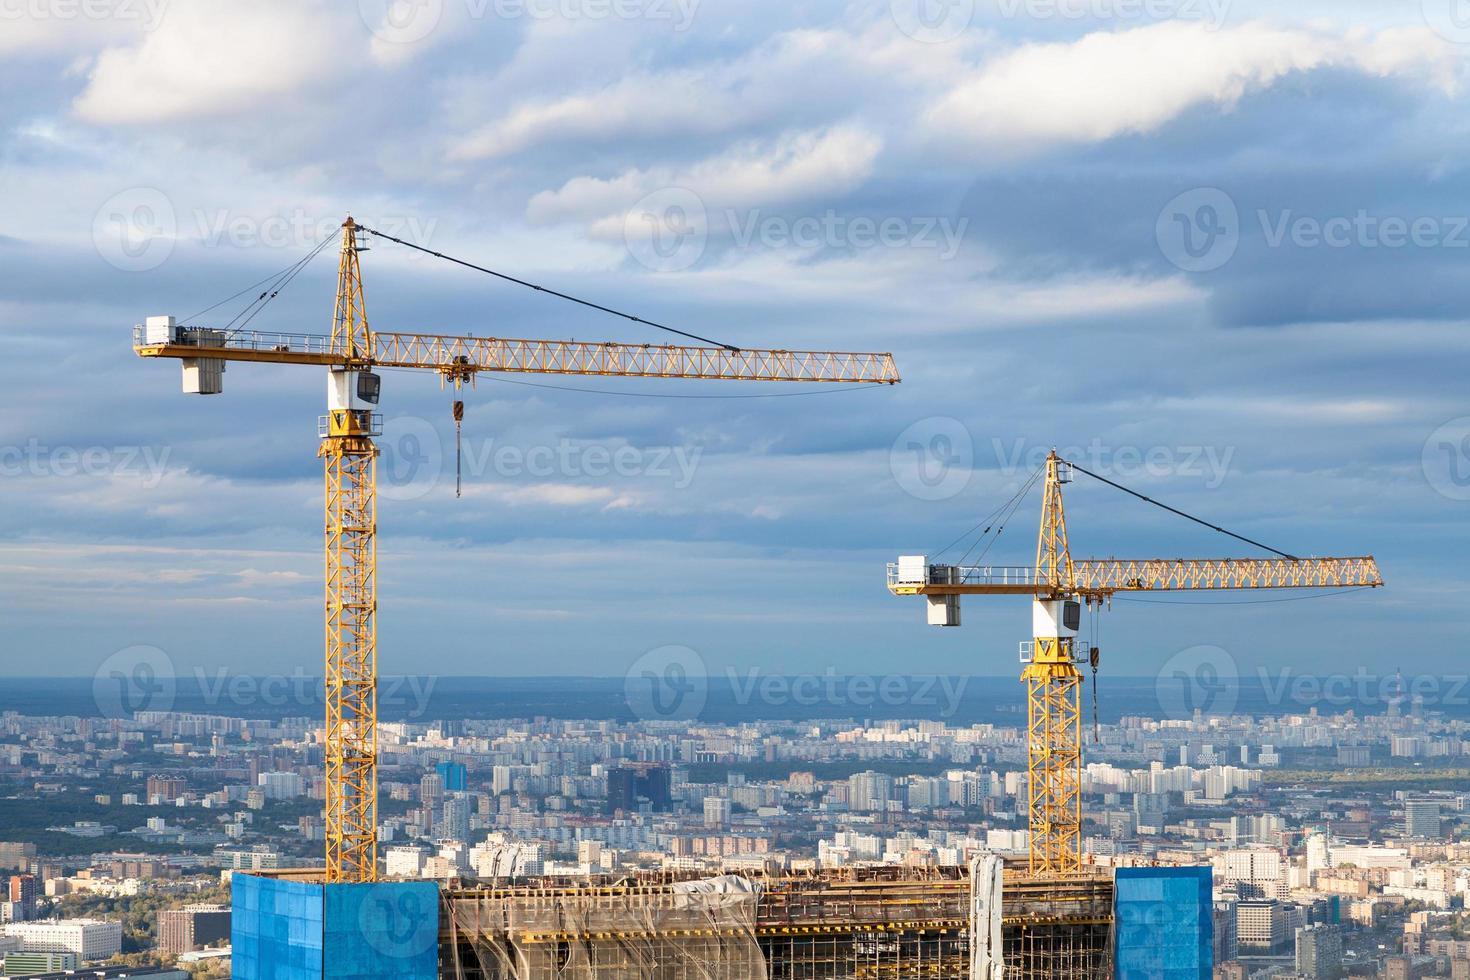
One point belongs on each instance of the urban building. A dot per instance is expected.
(431, 789)
(281, 785)
(456, 822)
(16, 856)
(27, 964)
(1422, 819)
(634, 783)
(716, 812)
(869, 792)
(404, 862)
(1319, 951)
(1226, 943)
(24, 893)
(1261, 926)
(192, 928)
(89, 939)
(1256, 872)
(165, 789)
(453, 777)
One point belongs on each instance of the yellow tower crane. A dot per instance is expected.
(350, 354)
(1058, 585)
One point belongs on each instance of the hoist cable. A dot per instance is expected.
(1191, 517)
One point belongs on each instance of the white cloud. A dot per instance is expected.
(836, 71)
(214, 57)
(642, 104)
(793, 167)
(545, 494)
(39, 30)
(1110, 83)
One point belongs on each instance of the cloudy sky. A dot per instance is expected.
(1213, 249)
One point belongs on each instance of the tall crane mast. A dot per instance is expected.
(1058, 586)
(349, 455)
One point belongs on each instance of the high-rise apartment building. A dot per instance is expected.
(1319, 951)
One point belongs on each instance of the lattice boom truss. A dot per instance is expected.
(629, 360)
(892, 923)
(470, 354)
(1095, 575)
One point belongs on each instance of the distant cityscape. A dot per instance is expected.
(1336, 840)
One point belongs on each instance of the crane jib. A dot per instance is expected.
(443, 352)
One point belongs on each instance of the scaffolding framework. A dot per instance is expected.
(892, 923)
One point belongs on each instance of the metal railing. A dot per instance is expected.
(1007, 575)
(254, 340)
(375, 425)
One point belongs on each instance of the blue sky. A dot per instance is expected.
(1216, 247)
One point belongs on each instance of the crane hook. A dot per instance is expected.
(458, 424)
(1094, 657)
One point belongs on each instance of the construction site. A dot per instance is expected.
(894, 922)
(1053, 915)
(874, 922)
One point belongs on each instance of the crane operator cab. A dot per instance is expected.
(352, 396)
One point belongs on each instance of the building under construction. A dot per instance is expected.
(882, 922)
(844, 923)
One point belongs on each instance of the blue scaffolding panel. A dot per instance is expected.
(292, 930)
(1163, 924)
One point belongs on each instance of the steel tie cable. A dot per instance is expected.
(549, 291)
